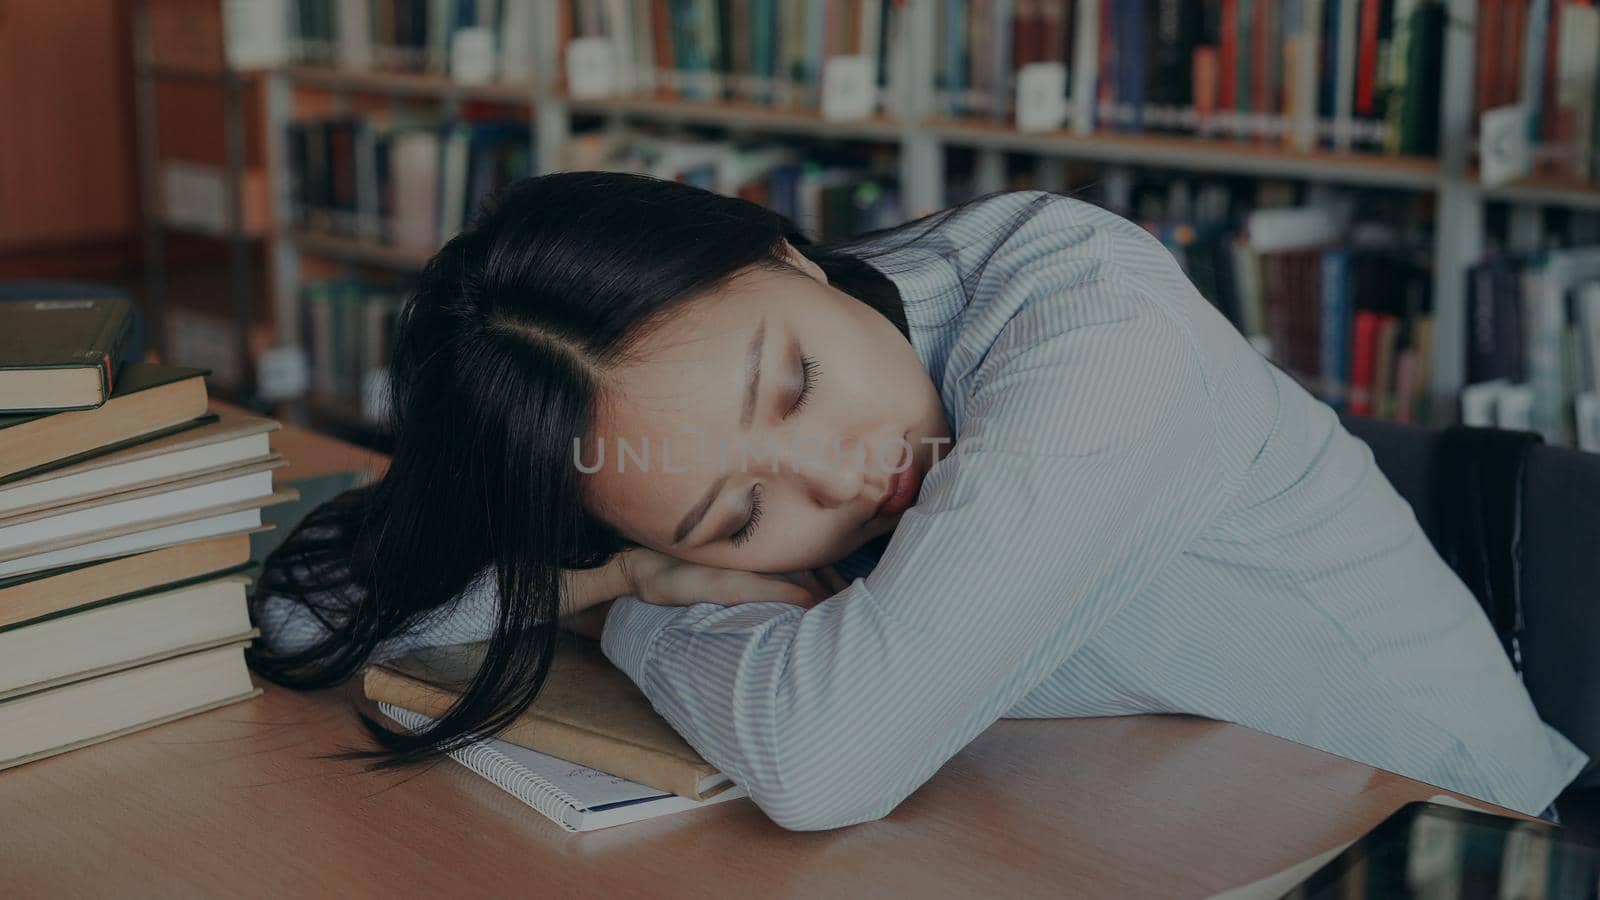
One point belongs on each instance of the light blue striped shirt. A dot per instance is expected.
(1139, 514)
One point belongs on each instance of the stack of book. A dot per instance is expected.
(125, 518)
(591, 752)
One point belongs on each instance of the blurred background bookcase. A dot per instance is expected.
(1239, 144)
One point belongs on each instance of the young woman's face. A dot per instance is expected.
(779, 392)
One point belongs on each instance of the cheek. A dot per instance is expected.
(805, 539)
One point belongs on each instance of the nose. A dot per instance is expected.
(838, 476)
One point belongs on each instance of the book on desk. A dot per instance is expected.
(124, 542)
(590, 752)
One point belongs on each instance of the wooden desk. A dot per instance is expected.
(234, 802)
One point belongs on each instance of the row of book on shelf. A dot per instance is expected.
(127, 511)
(1345, 74)
(411, 181)
(761, 51)
(347, 323)
(469, 40)
(1542, 54)
(1340, 305)
(1533, 344)
(416, 184)
(1340, 74)
(1336, 287)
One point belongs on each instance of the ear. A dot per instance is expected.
(805, 265)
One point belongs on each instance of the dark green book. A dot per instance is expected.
(149, 400)
(60, 354)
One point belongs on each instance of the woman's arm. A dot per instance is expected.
(1088, 460)
(288, 626)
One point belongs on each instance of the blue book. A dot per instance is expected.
(1336, 325)
(955, 54)
(1130, 65)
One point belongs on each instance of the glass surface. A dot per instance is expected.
(1427, 850)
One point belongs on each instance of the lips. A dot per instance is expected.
(902, 490)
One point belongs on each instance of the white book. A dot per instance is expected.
(575, 797)
(354, 34)
(1345, 77)
(453, 181)
(1479, 401)
(134, 508)
(53, 721)
(415, 184)
(230, 441)
(518, 30)
(1578, 63)
(1308, 41)
(1589, 331)
(122, 633)
(1587, 411)
(135, 542)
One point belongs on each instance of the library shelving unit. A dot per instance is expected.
(923, 137)
(174, 50)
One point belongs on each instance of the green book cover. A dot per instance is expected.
(71, 333)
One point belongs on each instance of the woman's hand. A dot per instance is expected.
(590, 622)
(664, 580)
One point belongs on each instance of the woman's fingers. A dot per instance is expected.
(832, 580)
(750, 587)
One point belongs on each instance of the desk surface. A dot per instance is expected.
(235, 802)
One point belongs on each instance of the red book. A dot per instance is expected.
(1203, 79)
(1488, 61)
(1228, 55)
(1274, 309)
(1311, 315)
(1362, 356)
(1025, 33)
(1261, 41)
(1367, 57)
(1055, 19)
(1060, 24)
(1514, 14)
(1547, 85)
(661, 37)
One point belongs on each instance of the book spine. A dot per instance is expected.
(1367, 65)
(110, 344)
(1363, 352)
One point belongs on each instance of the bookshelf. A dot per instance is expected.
(182, 196)
(914, 122)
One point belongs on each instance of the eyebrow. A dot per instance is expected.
(752, 384)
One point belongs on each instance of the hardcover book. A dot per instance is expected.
(60, 354)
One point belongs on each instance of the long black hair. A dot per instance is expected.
(498, 357)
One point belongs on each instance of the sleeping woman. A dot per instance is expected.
(836, 508)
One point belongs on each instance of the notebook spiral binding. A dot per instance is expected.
(503, 772)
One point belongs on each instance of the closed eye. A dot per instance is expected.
(810, 370)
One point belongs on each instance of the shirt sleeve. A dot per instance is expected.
(1088, 459)
(289, 626)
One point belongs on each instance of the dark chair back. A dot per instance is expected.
(1560, 566)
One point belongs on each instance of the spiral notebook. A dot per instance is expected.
(575, 797)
